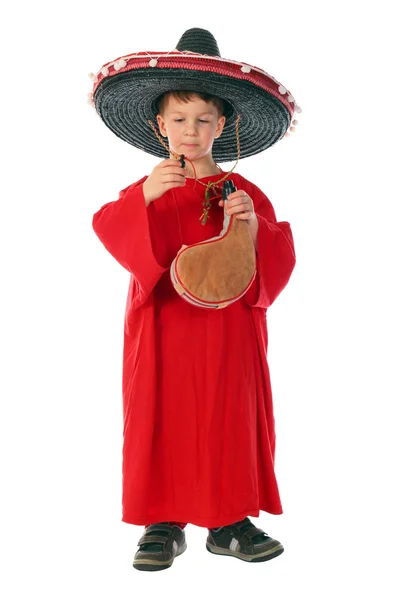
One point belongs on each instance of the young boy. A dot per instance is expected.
(199, 438)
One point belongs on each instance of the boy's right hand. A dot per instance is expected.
(166, 175)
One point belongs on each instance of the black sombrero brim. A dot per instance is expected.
(126, 101)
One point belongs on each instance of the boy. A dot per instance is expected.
(199, 438)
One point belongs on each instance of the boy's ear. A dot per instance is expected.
(161, 125)
(220, 127)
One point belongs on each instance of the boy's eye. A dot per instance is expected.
(200, 120)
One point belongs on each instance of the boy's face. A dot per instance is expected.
(191, 127)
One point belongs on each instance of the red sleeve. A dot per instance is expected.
(276, 256)
(123, 228)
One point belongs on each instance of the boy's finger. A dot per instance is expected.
(173, 177)
(171, 162)
(174, 171)
(238, 194)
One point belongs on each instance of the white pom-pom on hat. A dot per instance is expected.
(105, 71)
(93, 77)
(282, 89)
(245, 69)
(153, 62)
(297, 108)
(119, 64)
(90, 99)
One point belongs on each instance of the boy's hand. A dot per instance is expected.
(241, 205)
(166, 175)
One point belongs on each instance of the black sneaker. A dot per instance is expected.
(158, 546)
(243, 540)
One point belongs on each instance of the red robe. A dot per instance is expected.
(199, 431)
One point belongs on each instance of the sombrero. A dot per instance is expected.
(125, 93)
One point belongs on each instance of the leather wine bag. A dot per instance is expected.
(218, 271)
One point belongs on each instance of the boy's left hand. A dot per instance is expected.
(240, 204)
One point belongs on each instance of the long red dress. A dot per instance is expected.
(199, 430)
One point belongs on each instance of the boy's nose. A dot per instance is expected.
(190, 129)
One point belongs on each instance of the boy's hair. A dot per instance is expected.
(185, 95)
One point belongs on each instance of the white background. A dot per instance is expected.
(333, 332)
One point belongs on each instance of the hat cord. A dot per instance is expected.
(210, 186)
